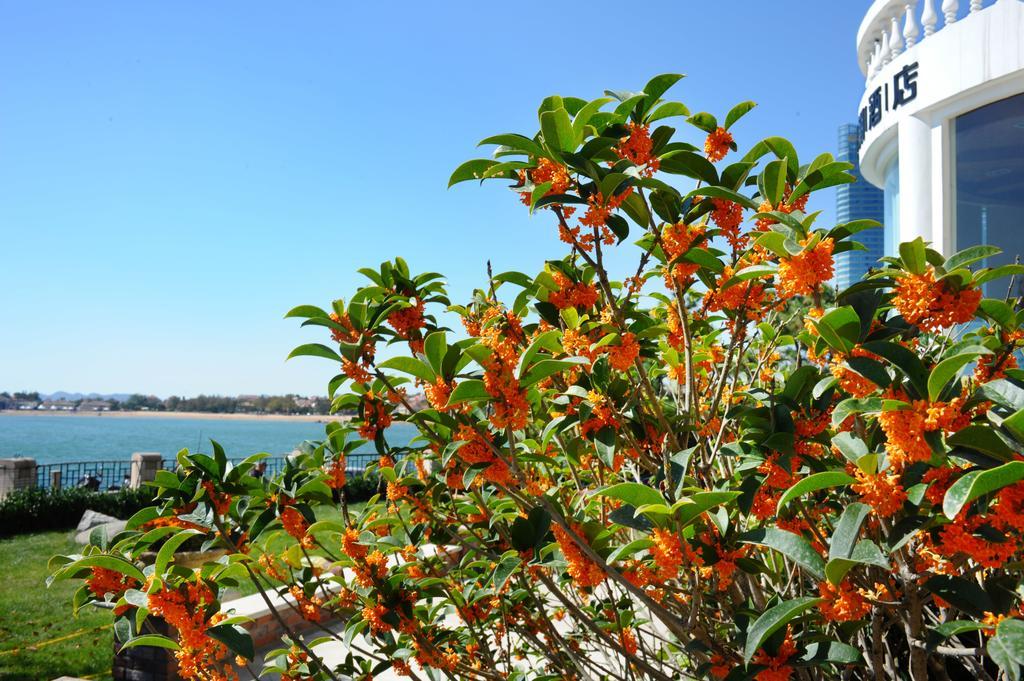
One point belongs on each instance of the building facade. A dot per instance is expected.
(858, 201)
(943, 119)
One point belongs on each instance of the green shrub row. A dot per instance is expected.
(38, 510)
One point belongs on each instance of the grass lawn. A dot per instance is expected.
(39, 638)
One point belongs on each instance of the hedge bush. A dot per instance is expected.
(36, 509)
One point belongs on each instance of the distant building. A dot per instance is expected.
(94, 405)
(57, 405)
(857, 201)
(943, 109)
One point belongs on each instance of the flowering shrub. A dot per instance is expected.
(637, 475)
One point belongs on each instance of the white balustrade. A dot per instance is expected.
(949, 10)
(895, 38)
(910, 29)
(892, 27)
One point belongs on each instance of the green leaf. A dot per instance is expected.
(410, 365)
(529, 532)
(946, 370)
(1011, 634)
(470, 170)
(738, 112)
(903, 359)
(166, 553)
(548, 367)
(1003, 393)
(306, 312)
(998, 649)
(517, 142)
(840, 328)
(315, 350)
(723, 193)
(773, 178)
(687, 510)
(104, 561)
(913, 255)
(549, 340)
(689, 164)
(791, 545)
(982, 438)
(470, 390)
(434, 347)
(844, 538)
(865, 552)
(236, 638)
(772, 620)
(961, 593)
(557, 129)
(851, 406)
(834, 652)
(504, 571)
(668, 110)
(656, 87)
(969, 256)
(978, 483)
(633, 493)
(153, 641)
(813, 483)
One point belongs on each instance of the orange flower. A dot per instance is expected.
(376, 416)
(349, 334)
(676, 240)
(746, 296)
(667, 553)
(991, 367)
(103, 581)
(309, 606)
(637, 147)
(584, 572)
(350, 544)
(905, 428)
(547, 171)
(438, 393)
(572, 294)
(933, 305)
(728, 215)
(628, 640)
(804, 272)
(882, 492)
(221, 502)
(776, 667)
(296, 525)
(356, 371)
(185, 609)
(717, 145)
(408, 319)
(336, 473)
(621, 356)
(842, 603)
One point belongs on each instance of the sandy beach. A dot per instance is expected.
(314, 418)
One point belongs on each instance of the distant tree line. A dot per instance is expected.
(216, 404)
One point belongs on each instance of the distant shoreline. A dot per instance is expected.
(207, 416)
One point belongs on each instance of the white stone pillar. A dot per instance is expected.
(915, 159)
(144, 468)
(16, 474)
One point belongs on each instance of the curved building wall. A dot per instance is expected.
(928, 127)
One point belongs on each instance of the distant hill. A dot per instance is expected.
(62, 395)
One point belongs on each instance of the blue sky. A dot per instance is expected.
(176, 176)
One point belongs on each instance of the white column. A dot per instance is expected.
(949, 10)
(895, 38)
(910, 29)
(915, 159)
(929, 18)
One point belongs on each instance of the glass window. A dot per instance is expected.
(891, 208)
(990, 183)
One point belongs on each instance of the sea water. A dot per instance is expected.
(67, 438)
